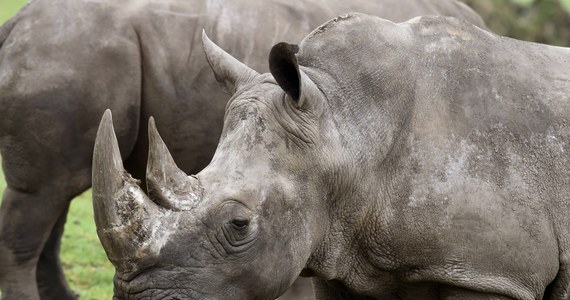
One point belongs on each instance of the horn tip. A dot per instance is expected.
(204, 36)
(107, 116)
(207, 44)
(106, 125)
(152, 130)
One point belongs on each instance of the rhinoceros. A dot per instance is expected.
(427, 159)
(63, 62)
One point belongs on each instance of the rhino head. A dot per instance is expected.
(244, 227)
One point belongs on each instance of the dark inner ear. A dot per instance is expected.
(285, 69)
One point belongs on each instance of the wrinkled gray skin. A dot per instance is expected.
(420, 160)
(62, 63)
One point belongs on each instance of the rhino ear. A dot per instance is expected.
(284, 67)
(297, 85)
(230, 72)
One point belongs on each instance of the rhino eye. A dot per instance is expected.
(240, 224)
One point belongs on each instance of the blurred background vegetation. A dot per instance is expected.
(85, 264)
(542, 21)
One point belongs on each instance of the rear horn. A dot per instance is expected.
(167, 185)
(229, 72)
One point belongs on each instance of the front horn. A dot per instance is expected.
(125, 217)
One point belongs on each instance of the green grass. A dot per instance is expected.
(8, 8)
(85, 265)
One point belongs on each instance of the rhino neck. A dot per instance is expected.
(355, 248)
(360, 195)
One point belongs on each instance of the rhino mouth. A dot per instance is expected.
(131, 223)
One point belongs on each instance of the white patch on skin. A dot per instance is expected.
(455, 170)
(163, 223)
(162, 226)
(132, 194)
(458, 33)
(138, 195)
(456, 166)
(160, 233)
(556, 144)
(443, 45)
(498, 97)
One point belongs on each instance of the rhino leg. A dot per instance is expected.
(41, 183)
(49, 273)
(25, 226)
